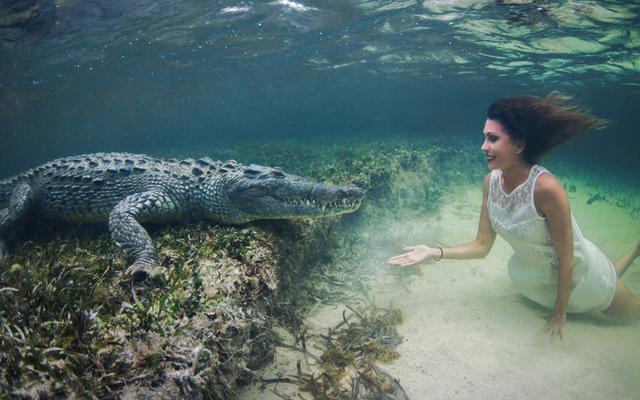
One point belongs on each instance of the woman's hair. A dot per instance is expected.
(542, 122)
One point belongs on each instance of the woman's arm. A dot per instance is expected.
(551, 202)
(478, 248)
(485, 237)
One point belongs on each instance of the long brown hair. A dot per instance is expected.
(542, 122)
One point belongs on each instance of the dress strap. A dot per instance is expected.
(535, 174)
(537, 170)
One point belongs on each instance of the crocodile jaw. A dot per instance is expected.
(297, 200)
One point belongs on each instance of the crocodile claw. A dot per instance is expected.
(139, 271)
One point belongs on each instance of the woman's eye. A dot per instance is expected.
(493, 138)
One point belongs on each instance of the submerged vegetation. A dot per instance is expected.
(347, 367)
(73, 325)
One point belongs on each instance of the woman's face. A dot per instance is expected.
(500, 149)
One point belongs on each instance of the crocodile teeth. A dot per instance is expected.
(337, 204)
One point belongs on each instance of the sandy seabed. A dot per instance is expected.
(469, 335)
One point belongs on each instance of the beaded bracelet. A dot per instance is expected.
(441, 255)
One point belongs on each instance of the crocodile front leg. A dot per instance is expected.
(129, 235)
(21, 198)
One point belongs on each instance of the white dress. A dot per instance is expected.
(533, 268)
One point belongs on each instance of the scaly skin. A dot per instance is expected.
(130, 189)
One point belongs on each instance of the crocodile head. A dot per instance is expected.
(256, 192)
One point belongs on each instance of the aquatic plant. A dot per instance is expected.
(347, 367)
(72, 323)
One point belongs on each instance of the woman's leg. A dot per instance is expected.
(623, 263)
(624, 305)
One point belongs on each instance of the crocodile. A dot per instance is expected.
(127, 190)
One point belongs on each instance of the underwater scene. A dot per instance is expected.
(200, 199)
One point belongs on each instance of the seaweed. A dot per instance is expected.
(73, 325)
(347, 367)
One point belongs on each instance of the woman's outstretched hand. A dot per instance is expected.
(414, 255)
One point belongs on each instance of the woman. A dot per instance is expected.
(553, 264)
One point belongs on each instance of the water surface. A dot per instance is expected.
(155, 76)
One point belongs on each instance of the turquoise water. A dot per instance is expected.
(162, 76)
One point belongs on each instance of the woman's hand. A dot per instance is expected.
(415, 255)
(555, 324)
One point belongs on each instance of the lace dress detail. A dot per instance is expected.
(515, 218)
(534, 266)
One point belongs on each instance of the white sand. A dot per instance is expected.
(469, 335)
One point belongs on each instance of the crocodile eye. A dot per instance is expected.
(277, 174)
(250, 171)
